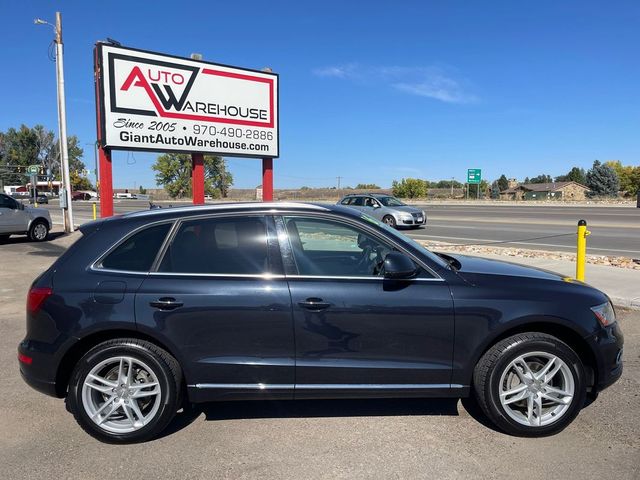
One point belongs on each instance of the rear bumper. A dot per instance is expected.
(607, 346)
(40, 374)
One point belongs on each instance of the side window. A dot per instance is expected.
(231, 245)
(137, 253)
(7, 202)
(357, 201)
(346, 201)
(328, 248)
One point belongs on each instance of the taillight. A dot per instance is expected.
(35, 298)
(25, 359)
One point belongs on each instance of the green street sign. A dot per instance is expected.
(33, 169)
(474, 175)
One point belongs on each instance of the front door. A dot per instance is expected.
(220, 298)
(12, 217)
(356, 333)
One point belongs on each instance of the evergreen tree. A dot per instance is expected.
(602, 180)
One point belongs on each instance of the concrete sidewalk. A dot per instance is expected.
(621, 284)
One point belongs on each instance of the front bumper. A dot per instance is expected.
(607, 346)
(414, 221)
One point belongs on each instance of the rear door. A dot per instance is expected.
(219, 296)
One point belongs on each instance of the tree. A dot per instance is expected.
(575, 175)
(602, 180)
(628, 176)
(409, 188)
(503, 183)
(142, 191)
(367, 186)
(541, 179)
(446, 184)
(495, 189)
(174, 174)
(36, 146)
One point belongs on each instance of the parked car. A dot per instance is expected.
(40, 198)
(80, 196)
(18, 219)
(386, 208)
(289, 301)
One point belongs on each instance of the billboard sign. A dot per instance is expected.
(474, 175)
(152, 101)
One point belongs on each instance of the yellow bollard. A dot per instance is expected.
(581, 255)
(95, 212)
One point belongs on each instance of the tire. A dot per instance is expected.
(4, 238)
(536, 407)
(38, 231)
(133, 413)
(389, 220)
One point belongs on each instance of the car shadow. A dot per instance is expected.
(217, 411)
(18, 239)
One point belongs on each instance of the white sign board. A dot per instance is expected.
(149, 101)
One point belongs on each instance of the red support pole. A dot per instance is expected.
(267, 179)
(197, 178)
(106, 183)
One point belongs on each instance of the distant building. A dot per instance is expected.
(545, 191)
(512, 182)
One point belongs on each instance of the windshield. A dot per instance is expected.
(390, 202)
(405, 238)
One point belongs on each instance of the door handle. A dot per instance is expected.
(314, 304)
(166, 303)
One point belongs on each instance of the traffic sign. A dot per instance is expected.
(474, 175)
(33, 169)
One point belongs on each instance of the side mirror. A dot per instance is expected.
(376, 205)
(398, 266)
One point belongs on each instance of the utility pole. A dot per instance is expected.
(452, 179)
(338, 179)
(65, 202)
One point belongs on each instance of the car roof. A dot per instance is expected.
(169, 213)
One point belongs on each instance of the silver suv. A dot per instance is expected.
(16, 218)
(386, 208)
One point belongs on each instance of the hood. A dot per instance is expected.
(407, 208)
(38, 212)
(485, 266)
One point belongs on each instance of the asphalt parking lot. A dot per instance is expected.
(330, 439)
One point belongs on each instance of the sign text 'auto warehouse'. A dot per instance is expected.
(151, 101)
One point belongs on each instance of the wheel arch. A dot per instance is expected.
(82, 346)
(561, 331)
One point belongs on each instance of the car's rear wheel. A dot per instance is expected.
(530, 384)
(125, 390)
(39, 231)
(389, 220)
(4, 238)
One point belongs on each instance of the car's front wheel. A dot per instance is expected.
(125, 390)
(39, 231)
(389, 220)
(530, 384)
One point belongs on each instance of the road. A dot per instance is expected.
(614, 230)
(346, 439)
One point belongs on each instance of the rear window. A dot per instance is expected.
(137, 253)
(219, 246)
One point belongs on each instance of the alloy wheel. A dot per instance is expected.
(121, 394)
(536, 389)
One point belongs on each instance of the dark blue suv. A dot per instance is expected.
(288, 301)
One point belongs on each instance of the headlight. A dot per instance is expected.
(406, 216)
(605, 314)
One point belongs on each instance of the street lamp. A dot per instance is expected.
(65, 200)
